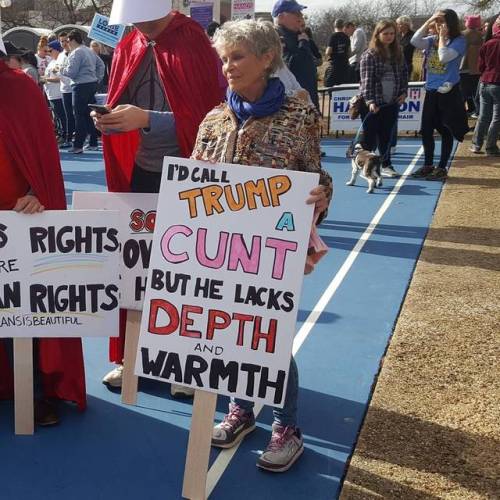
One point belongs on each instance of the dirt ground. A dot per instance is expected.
(433, 426)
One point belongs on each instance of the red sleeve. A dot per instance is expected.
(30, 138)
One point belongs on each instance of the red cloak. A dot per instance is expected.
(27, 132)
(189, 69)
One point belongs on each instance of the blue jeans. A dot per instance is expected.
(83, 95)
(488, 123)
(288, 414)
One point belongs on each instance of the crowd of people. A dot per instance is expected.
(461, 71)
(255, 104)
(69, 74)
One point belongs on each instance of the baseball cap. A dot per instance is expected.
(287, 6)
(55, 45)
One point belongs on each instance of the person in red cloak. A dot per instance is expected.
(164, 80)
(31, 180)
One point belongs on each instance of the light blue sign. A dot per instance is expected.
(108, 34)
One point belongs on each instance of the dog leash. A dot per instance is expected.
(350, 148)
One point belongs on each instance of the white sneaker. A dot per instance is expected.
(114, 377)
(284, 449)
(181, 391)
(389, 172)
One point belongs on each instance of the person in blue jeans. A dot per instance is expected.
(488, 124)
(240, 421)
(261, 125)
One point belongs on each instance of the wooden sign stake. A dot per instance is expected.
(198, 452)
(130, 381)
(23, 386)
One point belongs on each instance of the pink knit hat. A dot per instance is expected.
(473, 22)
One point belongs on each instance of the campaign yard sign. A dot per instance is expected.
(135, 233)
(242, 9)
(225, 276)
(59, 274)
(103, 32)
(409, 118)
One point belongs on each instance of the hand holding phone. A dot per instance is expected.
(99, 108)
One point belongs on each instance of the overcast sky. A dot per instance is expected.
(315, 5)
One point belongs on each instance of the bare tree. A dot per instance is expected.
(17, 14)
(73, 11)
(484, 6)
(53, 12)
(364, 13)
(392, 9)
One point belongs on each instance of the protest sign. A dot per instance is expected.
(135, 233)
(59, 274)
(135, 230)
(225, 276)
(242, 9)
(202, 13)
(103, 32)
(410, 112)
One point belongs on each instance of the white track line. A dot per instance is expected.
(222, 461)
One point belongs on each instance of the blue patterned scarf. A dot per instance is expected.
(270, 102)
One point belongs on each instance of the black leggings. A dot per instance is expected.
(432, 120)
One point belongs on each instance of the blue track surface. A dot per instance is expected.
(117, 451)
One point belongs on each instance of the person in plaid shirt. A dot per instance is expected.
(384, 86)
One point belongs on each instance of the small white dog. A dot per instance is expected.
(368, 165)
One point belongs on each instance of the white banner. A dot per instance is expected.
(410, 113)
(59, 274)
(225, 276)
(136, 226)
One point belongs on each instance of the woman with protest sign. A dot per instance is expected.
(260, 125)
(31, 181)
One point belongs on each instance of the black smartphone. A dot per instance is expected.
(99, 108)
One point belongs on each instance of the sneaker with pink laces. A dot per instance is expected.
(283, 450)
(235, 426)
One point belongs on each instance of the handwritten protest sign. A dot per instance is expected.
(225, 276)
(59, 274)
(102, 31)
(135, 231)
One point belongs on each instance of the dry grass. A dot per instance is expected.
(432, 429)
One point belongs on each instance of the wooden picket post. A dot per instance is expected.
(23, 386)
(130, 380)
(198, 451)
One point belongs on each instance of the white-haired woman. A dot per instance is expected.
(259, 125)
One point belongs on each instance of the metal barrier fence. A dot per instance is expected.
(410, 113)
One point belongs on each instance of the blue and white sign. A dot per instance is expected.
(410, 112)
(107, 34)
